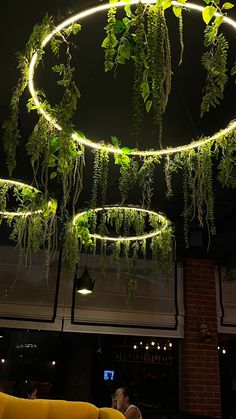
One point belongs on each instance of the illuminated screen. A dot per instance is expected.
(108, 375)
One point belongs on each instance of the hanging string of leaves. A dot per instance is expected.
(198, 189)
(53, 153)
(120, 222)
(214, 60)
(32, 220)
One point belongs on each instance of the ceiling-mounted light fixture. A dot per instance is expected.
(84, 283)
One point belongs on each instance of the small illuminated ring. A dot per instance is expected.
(20, 213)
(161, 218)
(109, 147)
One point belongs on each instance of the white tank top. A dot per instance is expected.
(130, 406)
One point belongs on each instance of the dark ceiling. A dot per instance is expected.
(105, 107)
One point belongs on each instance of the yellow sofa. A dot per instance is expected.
(16, 408)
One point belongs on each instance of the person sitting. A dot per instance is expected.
(122, 401)
(32, 391)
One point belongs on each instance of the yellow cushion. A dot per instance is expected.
(16, 408)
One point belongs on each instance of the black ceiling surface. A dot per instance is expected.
(105, 107)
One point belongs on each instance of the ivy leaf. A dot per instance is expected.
(53, 175)
(124, 51)
(177, 10)
(52, 161)
(207, 1)
(76, 27)
(126, 160)
(54, 141)
(118, 27)
(208, 13)
(80, 134)
(118, 159)
(128, 10)
(227, 6)
(148, 105)
(105, 42)
(145, 90)
(166, 4)
(127, 150)
(115, 141)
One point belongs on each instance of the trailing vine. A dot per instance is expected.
(121, 223)
(214, 60)
(53, 152)
(198, 189)
(31, 218)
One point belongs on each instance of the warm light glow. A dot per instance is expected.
(109, 147)
(6, 213)
(224, 351)
(170, 345)
(158, 347)
(135, 346)
(53, 363)
(147, 347)
(3, 361)
(140, 343)
(152, 343)
(163, 220)
(84, 291)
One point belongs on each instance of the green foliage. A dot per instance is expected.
(121, 223)
(162, 251)
(10, 126)
(198, 189)
(32, 221)
(110, 41)
(146, 180)
(226, 166)
(214, 60)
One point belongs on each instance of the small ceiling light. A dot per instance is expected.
(152, 343)
(53, 363)
(84, 284)
(170, 344)
(164, 348)
(224, 351)
(218, 347)
(147, 347)
(135, 346)
(158, 347)
(1, 336)
(3, 361)
(140, 343)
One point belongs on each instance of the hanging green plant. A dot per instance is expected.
(55, 153)
(31, 218)
(128, 228)
(198, 190)
(56, 150)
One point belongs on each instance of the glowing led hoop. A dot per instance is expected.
(163, 220)
(109, 147)
(20, 213)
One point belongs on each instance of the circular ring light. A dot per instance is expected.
(161, 219)
(108, 147)
(21, 185)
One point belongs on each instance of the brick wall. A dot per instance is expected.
(200, 363)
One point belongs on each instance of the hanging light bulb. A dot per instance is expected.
(84, 283)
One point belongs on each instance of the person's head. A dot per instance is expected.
(32, 391)
(123, 397)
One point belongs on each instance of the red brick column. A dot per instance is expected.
(200, 359)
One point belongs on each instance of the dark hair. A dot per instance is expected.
(128, 392)
(31, 388)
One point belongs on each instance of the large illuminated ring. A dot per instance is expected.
(20, 213)
(109, 147)
(161, 218)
